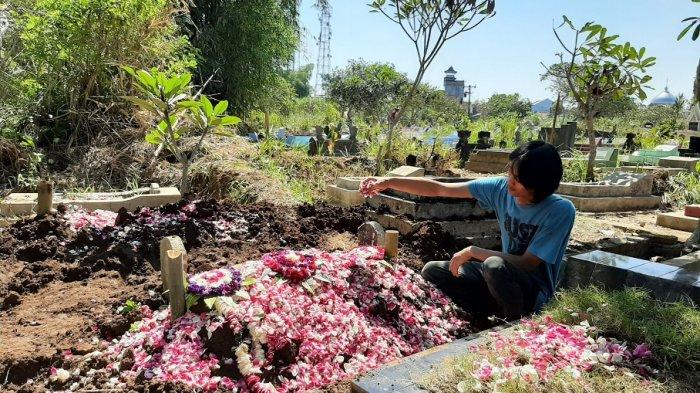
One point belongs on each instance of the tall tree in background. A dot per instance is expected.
(596, 68)
(300, 80)
(244, 45)
(366, 89)
(428, 24)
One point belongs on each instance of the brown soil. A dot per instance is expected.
(60, 290)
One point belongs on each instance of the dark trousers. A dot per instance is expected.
(492, 287)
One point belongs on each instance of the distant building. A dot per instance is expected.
(542, 106)
(453, 87)
(694, 118)
(665, 98)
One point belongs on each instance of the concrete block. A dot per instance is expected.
(349, 183)
(613, 204)
(344, 197)
(677, 220)
(689, 163)
(688, 260)
(428, 211)
(25, 203)
(491, 155)
(457, 228)
(407, 171)
(486, 167)
(639, 183)
(692, 211)
(651, 169)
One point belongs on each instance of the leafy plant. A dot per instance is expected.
(65, 52)
(128, 307)
(597, 69)
(169, 99)
(692, 21)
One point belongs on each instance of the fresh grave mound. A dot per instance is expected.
(545, 356)
(74, 245)
(294, 321)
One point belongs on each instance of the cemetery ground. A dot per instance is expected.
(69, 284)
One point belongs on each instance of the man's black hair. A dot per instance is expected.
(537, 166)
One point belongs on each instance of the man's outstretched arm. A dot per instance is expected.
(423, 187)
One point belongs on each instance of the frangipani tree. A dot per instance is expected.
(429, 24)
(178, 113)
(596, 68)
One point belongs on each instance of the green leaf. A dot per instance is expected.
(230, 120)
(209, 302)
(220, 108)
(144, 104)
(685, 31)
(191, 300)
(249, 281)
(696, 34)
(206, 105)
(134, 327)
(154, 137)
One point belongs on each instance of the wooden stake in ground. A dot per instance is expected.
(176, 283)
(173, 265)
(391, 245)
(44, 198)
(169, 243)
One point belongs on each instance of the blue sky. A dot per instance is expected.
(503, 54)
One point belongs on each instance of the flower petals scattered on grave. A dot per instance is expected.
(538, 352)
(290, 329)
(99, 219)
(217, 282)
(366, 187)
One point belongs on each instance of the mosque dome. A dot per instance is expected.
(664, 98)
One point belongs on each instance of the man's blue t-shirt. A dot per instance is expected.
(543, 228)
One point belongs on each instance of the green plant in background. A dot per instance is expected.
(65, 51)
(684, 189)
(247, 44)
(168, 98)
(576, 167)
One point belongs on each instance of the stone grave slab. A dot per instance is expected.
(371, 233)
(614, 204)
(17, 204)
(677, 220)
(612, 271)
(650, 169)
(464, 209)
(691, 261)
(349, 183)
(606, 156)
(689, 163)
(489, 161)
(343, 196)
(652, 157)
(403, 375)
(407, 171)
(600, 268)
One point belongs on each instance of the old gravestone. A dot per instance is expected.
(371, 233)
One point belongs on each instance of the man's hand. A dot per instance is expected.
(380, 184)
(459, 259)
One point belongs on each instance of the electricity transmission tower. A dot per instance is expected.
(323, 64)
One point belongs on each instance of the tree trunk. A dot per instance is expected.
(267, 123)
(185, 180)
(554, 123)
(590, 128)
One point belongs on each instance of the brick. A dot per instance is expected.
(692, 211)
